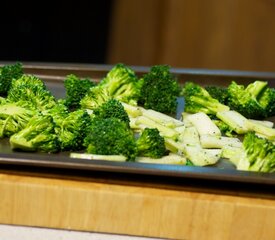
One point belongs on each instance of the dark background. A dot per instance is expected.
(63, 31)
(212, 34)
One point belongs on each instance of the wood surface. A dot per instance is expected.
(134, 209)
(228, 34)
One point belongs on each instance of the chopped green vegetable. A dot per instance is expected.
(73, 129)
(33, 91)
(110, 136)
(160, 90)
(151, 144)
(112, 108)
(76, 88)
(259, 154)
(122, 84)
(38, 135)
(7, 74)
(197, 99)
(245, 99)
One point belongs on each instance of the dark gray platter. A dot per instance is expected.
(54, 74)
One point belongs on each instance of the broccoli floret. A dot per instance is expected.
(95, 97)
(76, 88)
(267, 101)
(160, 90)
(7, 74)
(197, 99)
(27, 81)
(73, 129)
(38, 135)
(244, 100)
(122, 84)
(112, 108)
(33, 91)
(58, 112)
(151, 144)
(259, 154)
(219, 93)
(110, 136)
(13, 118)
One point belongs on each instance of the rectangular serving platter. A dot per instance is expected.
(54, 73)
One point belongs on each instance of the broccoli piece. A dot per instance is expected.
(151, 144)
(261, 129)
(143, 122)
(202, 157)
(197, 99)
(259, 154)
(232, 154)
(244, 100)
(235, 121)
(122, 84)
(160, 90)
(13, 118)
(267, 101)
(73, 129)
(58, 112)
(110, 136)
(7, 74)
(116, 158)
(219, 93)
(33, 91)
(27, 81)
(112, 108)
(38, 135)
(225, 129)
(203, 123)
(171, 158)
(76, 89)
(210, 141)
(95, 97)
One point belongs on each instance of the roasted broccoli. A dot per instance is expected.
(267, 101)
(219, 93)
(13, 118)
(244, 99)
(151, 144)
(76, 88)
(160, 90)
(197, 99)
(224, 128)
(122, 84)
(110, 136)
(73, 129)
(38, 135)
(95, 97)
(112, 108)
(33, 91)
(7, 74)
(259, 154)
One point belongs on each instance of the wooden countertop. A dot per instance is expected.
(141, 206)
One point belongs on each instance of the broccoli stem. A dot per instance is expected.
(202, 157)
(256, 88)
(117, 158)
(169, 159)
(204, 124)
(211, 104)
(161, 118)
(164, 131)
(210, 141)
(268, 132)
(235, 120)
